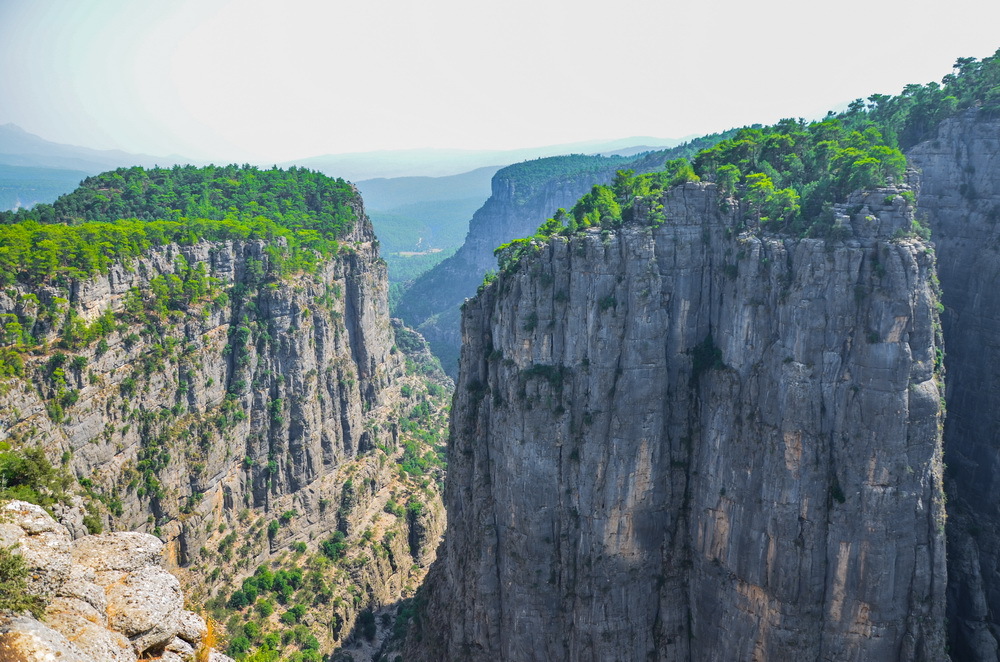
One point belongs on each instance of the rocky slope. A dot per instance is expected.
(696, 442)
(263, 415)
(960, 194)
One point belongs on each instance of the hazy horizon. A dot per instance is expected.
(220, 80)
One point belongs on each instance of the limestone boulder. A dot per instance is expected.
(191, 627)
(23, 639)
(80, 623)
(82, 584)
(146, 606)
(123, 551)
(41, 541)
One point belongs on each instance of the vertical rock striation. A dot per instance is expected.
(697, 443)
(960, 194)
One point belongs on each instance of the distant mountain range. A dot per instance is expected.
(34, 170)
(20, 148)
(391, 192)
(442, 162)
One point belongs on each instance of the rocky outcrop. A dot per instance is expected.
(698, 442)
(960, 195)
(107, 597)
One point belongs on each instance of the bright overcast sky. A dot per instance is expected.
(272, 81)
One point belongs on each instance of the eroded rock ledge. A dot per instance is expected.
(108, 597)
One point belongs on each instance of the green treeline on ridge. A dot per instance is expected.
(788, 175)
(118, 215)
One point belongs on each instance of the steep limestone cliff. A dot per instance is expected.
(523, 196)
(693, 442)
(960, 194)
(264, 414)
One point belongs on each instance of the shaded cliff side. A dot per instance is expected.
(523, 196)
(960, 194)
(694, 442)
(260, 415)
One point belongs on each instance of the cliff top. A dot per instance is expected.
(118, 215)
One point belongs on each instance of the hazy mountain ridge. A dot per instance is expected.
(444, 162)
(391, 193)
(20, 148)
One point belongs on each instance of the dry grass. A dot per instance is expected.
(208, 642)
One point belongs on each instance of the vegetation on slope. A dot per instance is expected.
(294, 198)
(46, 344)
(787, 176)
(14, 595)
(27, 475)
(299, 603)
(116, 216)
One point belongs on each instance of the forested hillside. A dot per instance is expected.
(121, 214)
(206, 355)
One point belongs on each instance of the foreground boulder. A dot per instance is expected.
(107, 596)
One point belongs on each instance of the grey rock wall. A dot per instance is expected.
(960, 194)
(698, 443)
(259, 402)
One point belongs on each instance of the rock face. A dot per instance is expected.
(281, 375)
(698, 443)
(208, 423)
(114, 602)
(521, 200)
(960, 194)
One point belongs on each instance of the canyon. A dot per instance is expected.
(260, 419)
(689, 434)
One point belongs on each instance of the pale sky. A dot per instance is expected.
(235, 80)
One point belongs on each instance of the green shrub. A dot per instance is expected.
(264, 607)
(14, 594)
(26, 474)
(334, 547)
(238, 646)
